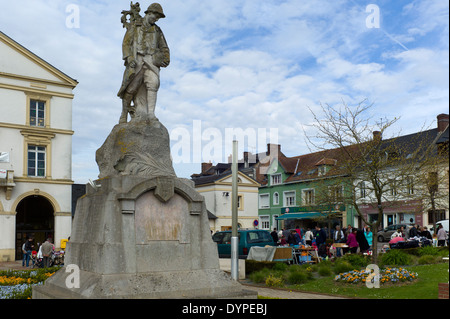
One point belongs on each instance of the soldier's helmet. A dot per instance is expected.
(156, 8)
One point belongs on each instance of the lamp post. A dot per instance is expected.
(234, 230)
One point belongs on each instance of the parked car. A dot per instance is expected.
(247, 239)
(386, 233)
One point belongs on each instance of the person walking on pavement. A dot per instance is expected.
(339, 238)
(291, 239)
(27, 248)
(369, 237)
(274, 235)
(441, 236)
(24, 254)
(309, 237)
(321, 237)
(352, 242)
(362, 241)
(47, 249)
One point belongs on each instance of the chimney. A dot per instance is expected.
(442, 122)
(274, 149)
(206, 166)
(246, 159)
(377, 136)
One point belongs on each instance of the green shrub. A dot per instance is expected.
(259, 276)
(310, 267)
(323, 263)
(412, 251)
(254, 266)
(297, 277)
(342, 266)
(294, 268)
(428, 250)
(427, 259)
(395, 257)
(325, 270)
(357, 261)
(280, 266)
(443, 251)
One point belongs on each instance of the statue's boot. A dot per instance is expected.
(151, 103)
(126, 102)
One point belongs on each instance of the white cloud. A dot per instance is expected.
(245, 63)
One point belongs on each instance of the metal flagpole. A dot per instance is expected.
(234, 230)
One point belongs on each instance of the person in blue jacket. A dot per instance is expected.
(369, 236)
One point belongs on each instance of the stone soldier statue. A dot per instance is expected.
(145, 51)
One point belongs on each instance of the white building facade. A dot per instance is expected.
(218, 200)
(35, 149)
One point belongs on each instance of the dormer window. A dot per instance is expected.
(322, 170)
(275, 179)
(324, 165)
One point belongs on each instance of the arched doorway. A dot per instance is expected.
(35, 218)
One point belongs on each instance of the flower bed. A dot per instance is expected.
(388, 275)
(16, 284)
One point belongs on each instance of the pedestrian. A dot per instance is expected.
(47, 249)
(27, 248)
(397, 233)
(299, 231)
(352, 242)
(274, 235)
(339, 238)
(441, 236)
(362, 241)
(321, 236)
(280, 233)
(283, 241)
(297, 238)
(413, 232)
(369, 237)
(402, 230)
(40, 257)
(309, 237)
(291, 239)
(348, 231)
(425, 233)
(24, 254)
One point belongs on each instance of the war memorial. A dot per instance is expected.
(140, 231)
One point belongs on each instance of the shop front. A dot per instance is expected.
(399, 212)
(309, 217)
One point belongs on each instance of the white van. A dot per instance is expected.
(444, 224)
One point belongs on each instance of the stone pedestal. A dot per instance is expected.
(140, 147)
(141, 232)
(136, 237)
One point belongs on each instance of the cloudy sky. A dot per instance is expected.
(248, 64)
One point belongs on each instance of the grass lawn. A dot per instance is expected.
(425, 287)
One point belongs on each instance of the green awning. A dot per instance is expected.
(299, 216)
